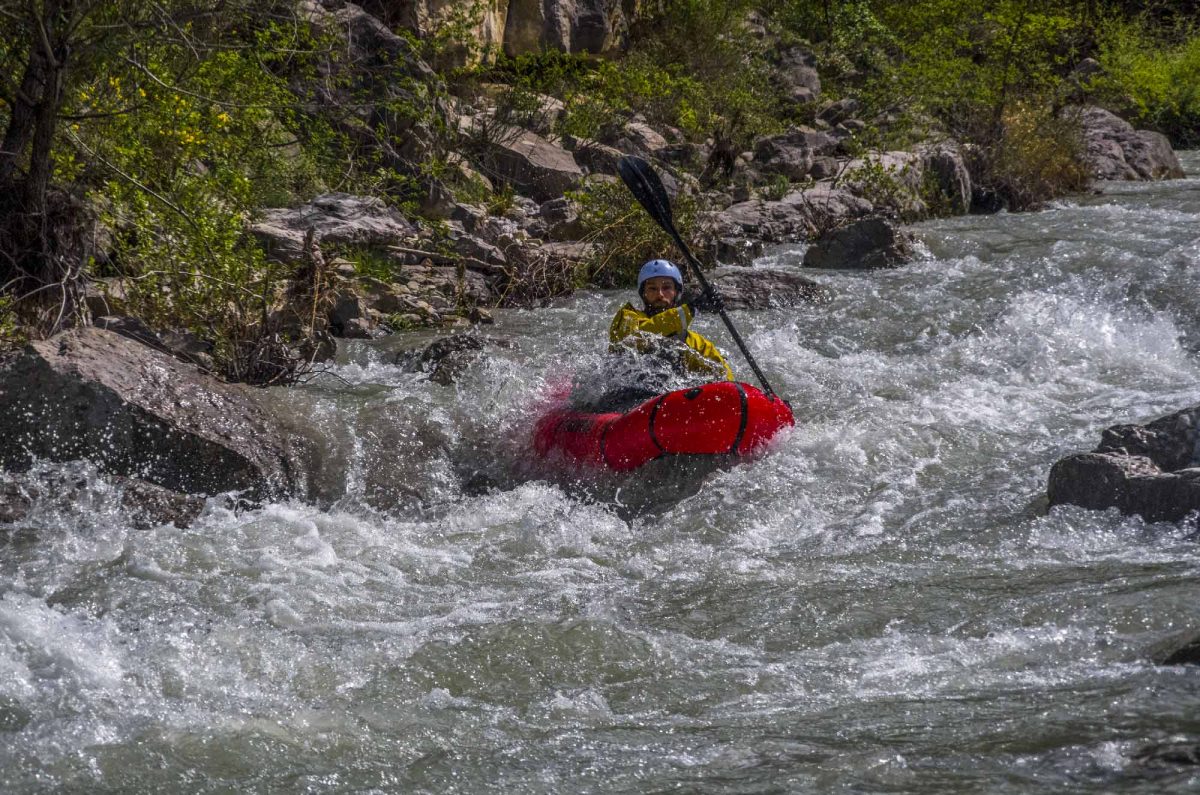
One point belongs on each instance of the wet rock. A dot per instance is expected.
(336, 218)
(179, 343)
(448, 358)
(796, 217)
(1151, 470)
(863, 245)
(1117, 151)
(1172, 754)
(764, 288)
(150, 505)
(1187, 653)
(92, 394)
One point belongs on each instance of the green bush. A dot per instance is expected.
(1152, 76)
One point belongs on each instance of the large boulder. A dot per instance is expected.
(945, 176)
(737, 233)
(93, 394)
(869, 244)
(1117, 151)
(534, 165)
(574, 26)
(1151, 470)
(767, 288)
(335, 219)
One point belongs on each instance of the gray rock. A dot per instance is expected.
(1173, 754)
(834, 113)
(641, 139)
(336, 218)
(1187, 653)
(797, 74)
(562, 219)
(796, 217)
(448, 358)
(92, 394)
(144, 504)
(863, 245)
(573, 26)
(1151, 470)
(944, 165)
(534, 165)
(1119, 152)
(765, 288)
(594, 156)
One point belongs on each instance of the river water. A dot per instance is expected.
(879, 604)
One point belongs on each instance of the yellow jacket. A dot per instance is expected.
(634, 329)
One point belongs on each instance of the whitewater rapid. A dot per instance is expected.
(880, 603)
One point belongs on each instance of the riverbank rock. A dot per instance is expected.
(336, 219)
(869, 244)
(533, 165)
(1151, 470)
(92, 394)
(737, 233)
(1117, 151)
(793, 154)
(767, 288)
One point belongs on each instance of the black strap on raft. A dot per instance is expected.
(648, 189)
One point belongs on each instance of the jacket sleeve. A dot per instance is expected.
(709, 354)
(670, 323)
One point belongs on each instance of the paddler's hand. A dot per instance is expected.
(706, 301)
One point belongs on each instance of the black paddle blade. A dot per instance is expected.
(647, 188)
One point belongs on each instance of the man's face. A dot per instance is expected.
(659, 292)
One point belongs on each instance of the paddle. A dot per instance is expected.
(648, 189)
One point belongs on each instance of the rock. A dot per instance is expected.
(182, 344)
(641, 139)
(596, 157)
(794, 218)
(145, 504)
(944, 165)
(572, 26)
(797, 74)
(1171, 754)
(891, 181)
(863, 245)
(1117, 151)
(562, 219)
(337, 218)
(1151, 470)
(537, 167)
(448, 358)
(763, 288)
(792, 153)
(140, 413)
(1185, 654)
(834, 113)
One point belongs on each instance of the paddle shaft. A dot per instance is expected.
(733, 332)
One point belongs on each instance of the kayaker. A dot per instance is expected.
(663, 325)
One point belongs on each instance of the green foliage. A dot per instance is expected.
(624, 234)
(1152, 75)
(11, 333)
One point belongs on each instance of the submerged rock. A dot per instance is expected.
(1168, 754)
(1150, 470)
(448, 358)
(762, 288)
(92, 394)
(1186, 654)
(868, 244)
(145, 504)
